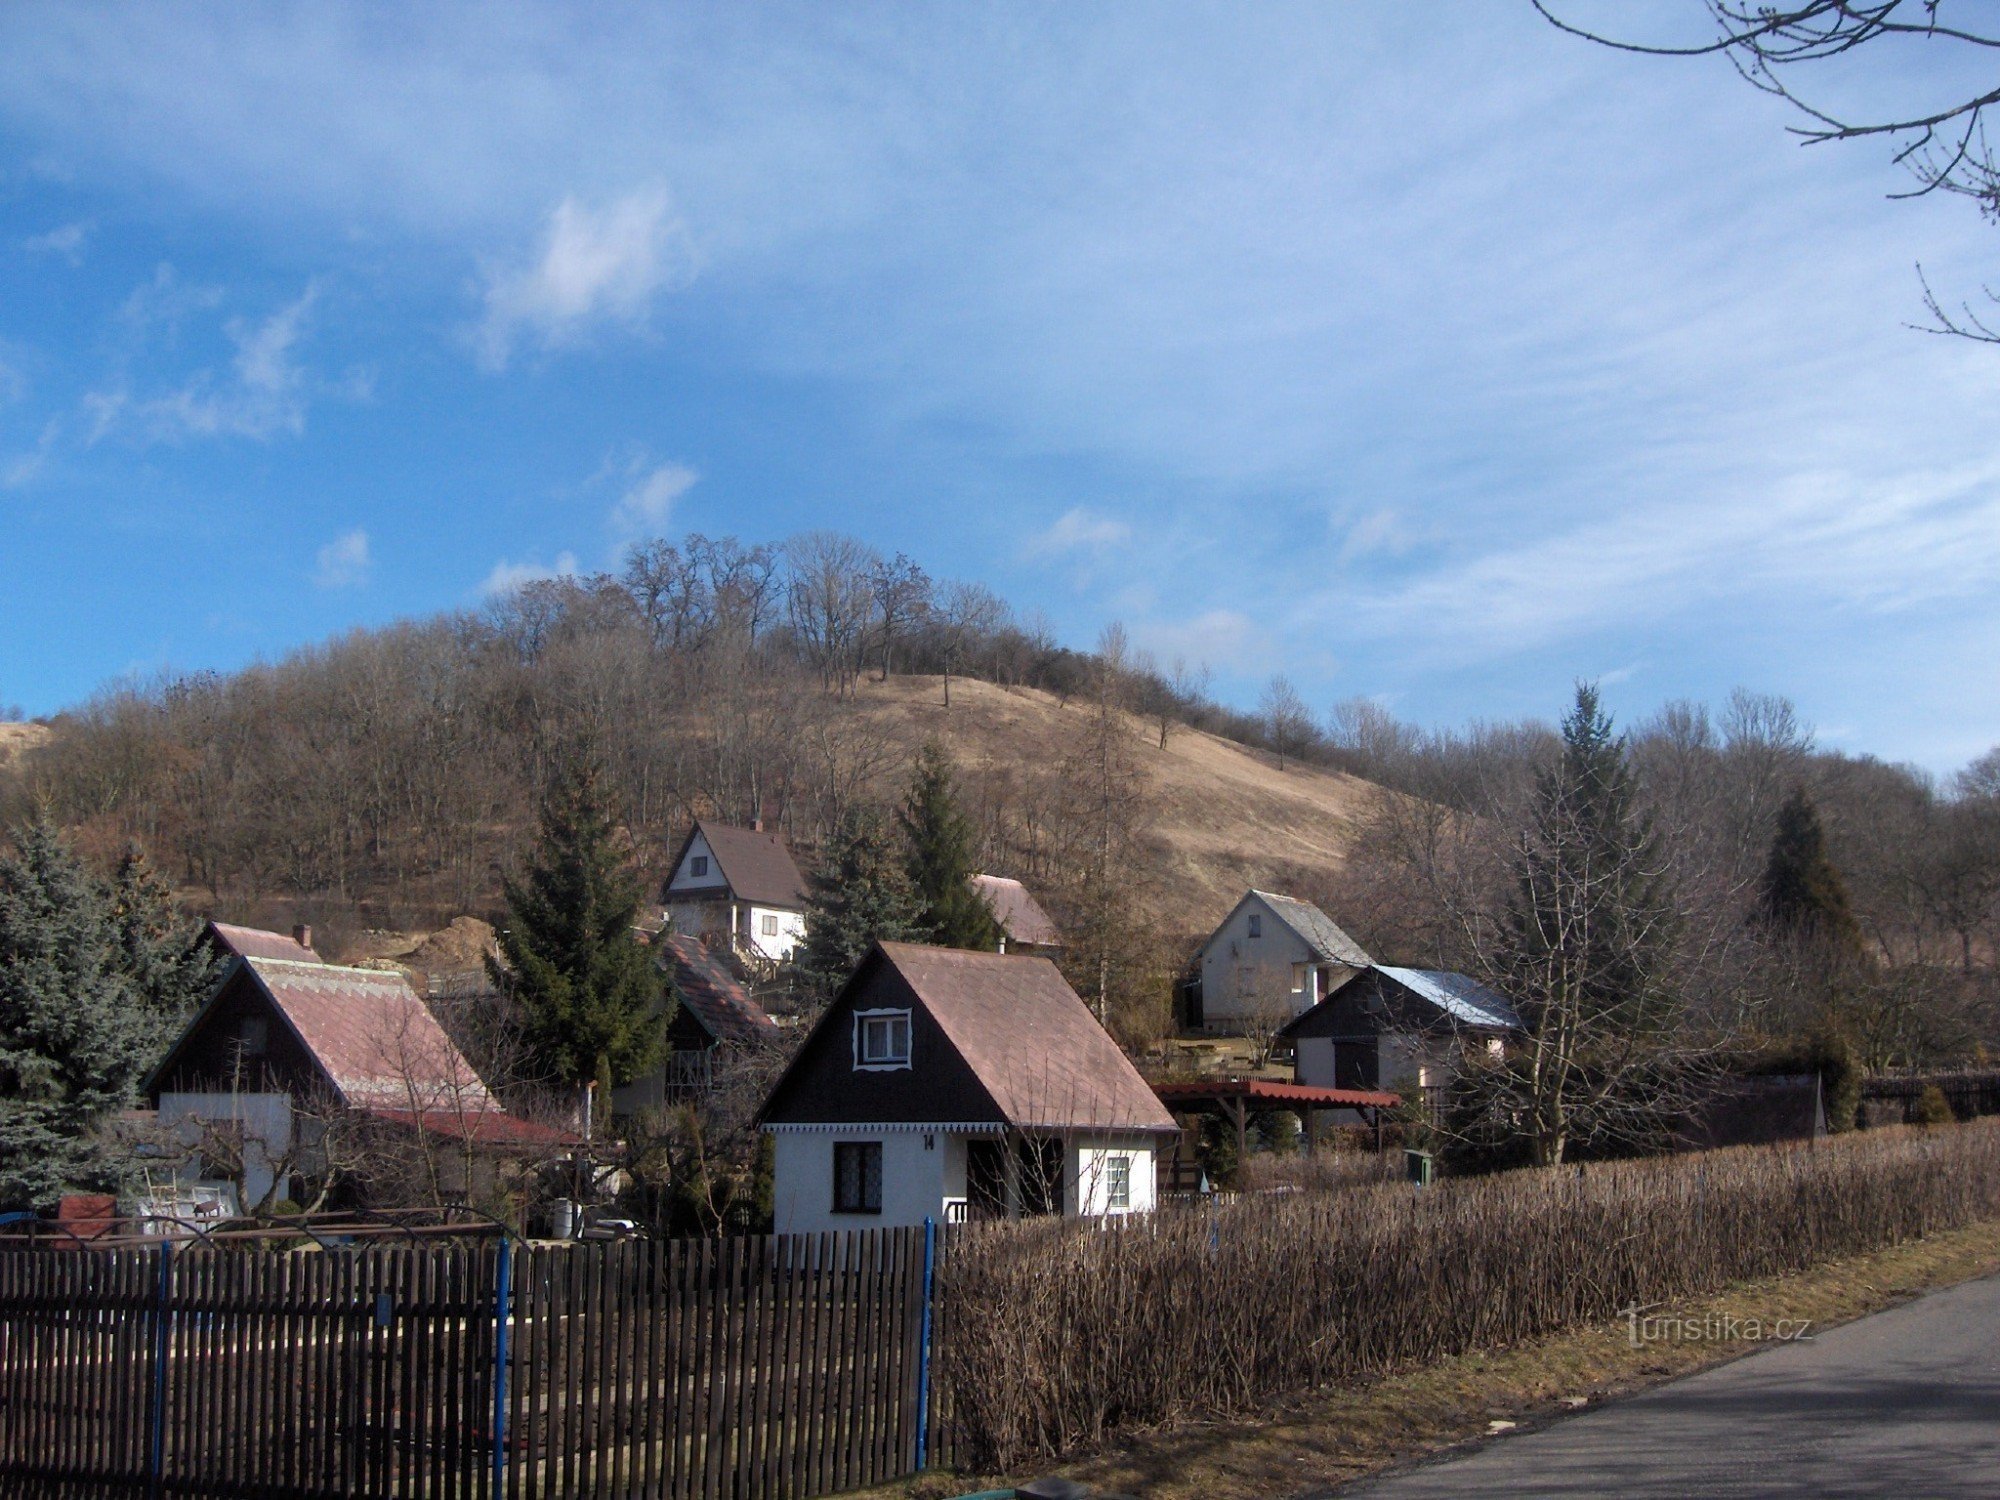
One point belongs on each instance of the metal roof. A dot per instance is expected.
(1271, 1091)
(255, 942)
(1319, 931)
(1458, 995)
(1020, 916)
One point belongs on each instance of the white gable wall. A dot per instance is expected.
(684, 878)
(1274, 974)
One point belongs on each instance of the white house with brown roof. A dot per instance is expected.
(946, 1085)
(286, 1047)
(1272, 958)
(740, 884)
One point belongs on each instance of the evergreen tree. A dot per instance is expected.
(76, 1034)
(1585, 947)
(857, 898)
(939, 863)
(1803, 895)
(586, 993)
(172, 974)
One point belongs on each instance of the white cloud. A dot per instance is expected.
(1226, 640)
(1380, 531)
(22, 469)
(648, 501)
(345, 561)
(507, 577)
(264, 392)
(595, 266)
(1079, 530)
(66, 240)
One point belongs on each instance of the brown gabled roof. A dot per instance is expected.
(1030, 1041)
(1020, 916)
(757, 865)
(377, 1042)
(255, 942)
(713, 995)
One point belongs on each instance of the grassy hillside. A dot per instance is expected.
(1223, 817)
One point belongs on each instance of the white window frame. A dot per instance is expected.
(888, 1062)
(767, 924)
(1118, 1180)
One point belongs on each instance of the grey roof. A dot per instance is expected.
(1019, 914)
(1459, 996)
(1317, 929)
(757, 865)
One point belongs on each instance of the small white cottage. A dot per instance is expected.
(951, 1085)
(740, 885)
(1272, 958)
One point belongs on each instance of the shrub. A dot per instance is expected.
(1933, 1108)
(1085, 1328)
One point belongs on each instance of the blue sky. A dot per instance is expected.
(1415, 351)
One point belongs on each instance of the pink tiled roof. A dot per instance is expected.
(716, 997)
(377, 1041)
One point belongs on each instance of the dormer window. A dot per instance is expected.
(881, 1040)
(698, 866)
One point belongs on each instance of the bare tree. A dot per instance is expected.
(1286, 720)
(831, 602)
(902, 599)
(1944, 146)
(966, 614)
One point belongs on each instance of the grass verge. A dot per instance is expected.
(1324, 1439)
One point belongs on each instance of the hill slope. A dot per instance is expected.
(1224, 817)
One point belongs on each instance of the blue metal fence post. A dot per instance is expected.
(503, 1294)
(156, 1447)
(924, 1346)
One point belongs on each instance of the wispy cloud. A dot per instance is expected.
(344, 562)
(23, 469)
(1078, 530)
(510, 577)
(595, 266)
(66, 240)
(1227, 640)
(647, 503)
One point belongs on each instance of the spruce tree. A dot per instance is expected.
(859, 896)
(172, 974)
(586, 993)
(939, 862)
(1802, 895)
(76, 1034)
(1585, 949)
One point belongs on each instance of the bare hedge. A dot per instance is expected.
(1058, 1334)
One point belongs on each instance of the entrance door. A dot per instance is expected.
(986, 1178)
(1041, 1175)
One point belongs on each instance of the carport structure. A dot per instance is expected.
(1236, 1099)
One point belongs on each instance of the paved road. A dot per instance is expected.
(1905, 1403)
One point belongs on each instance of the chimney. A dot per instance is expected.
(302, 935)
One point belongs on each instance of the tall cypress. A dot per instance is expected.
(857, 897)
(938, 857)
(1802, 894)
(586, 993)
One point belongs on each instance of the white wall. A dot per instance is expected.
(1088, 1192)
(913, 1178)
(1242, 976)
(791, 932)
(266, 1120)
(683, 880)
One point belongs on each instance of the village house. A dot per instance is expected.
(295, 1069)
(714, 1013)
(1272, 958)
(1393, 1028)
(1024, 926)
(740, 886)
(946, 1085)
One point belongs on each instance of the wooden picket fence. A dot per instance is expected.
(747, 1367)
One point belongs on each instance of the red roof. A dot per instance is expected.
(377, 1042)
(482, 1127)
(713, 995)
(255, 942)
(1269, 1091)
(1020, 916)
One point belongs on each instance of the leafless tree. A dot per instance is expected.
(832, 605)
(1944, 145)
(902, 598)
(1286, 720)
(966, 612)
